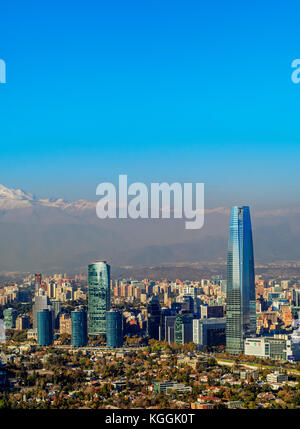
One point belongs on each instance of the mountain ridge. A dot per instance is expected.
(39, 234)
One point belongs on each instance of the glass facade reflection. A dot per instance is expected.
(79, 328)
(98, 297)
(183, 329)
(114, 336)
(153, 317)
(240, 295)
(45, 328)
(10, 316)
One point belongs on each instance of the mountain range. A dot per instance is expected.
(57, 235)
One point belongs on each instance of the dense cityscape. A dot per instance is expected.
(93, 342)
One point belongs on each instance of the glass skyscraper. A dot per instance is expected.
(240, 294)
(114, 337)
(98, 297)
(10, 316)
(79, 328)
(41, 302)
(45, 328)
(153, 317)
(183, 329)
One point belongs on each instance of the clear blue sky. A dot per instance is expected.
(159, 90)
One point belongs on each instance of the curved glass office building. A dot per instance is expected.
(240, 294)
(98, 297)
(114, 337)
(44, 327)
(79, 328)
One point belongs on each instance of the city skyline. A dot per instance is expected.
(179, 333)
(149, 208)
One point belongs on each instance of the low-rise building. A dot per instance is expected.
(166, 386)
(278, 347)
(277, 377)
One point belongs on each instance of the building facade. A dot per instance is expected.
(209, 332)
(114, 337)
(65, 324)
(10, 316)
(98, 297)
(183, 329)
(153, 317)
(79, 328)
(240, 293)
(23, 322)
(278, 347)
(41, 302)
(45, 328)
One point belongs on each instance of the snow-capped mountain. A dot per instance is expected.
(13, 198)
(14, 194)
(17, 198)
(43, 234)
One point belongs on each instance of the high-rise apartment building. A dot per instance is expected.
(98, 297)
(65, 324)
(240, 294)
(22, 322)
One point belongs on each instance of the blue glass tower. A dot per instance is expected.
(44, 327)
(114, 337)
(98, 297)
(240, 294)
(79, 328)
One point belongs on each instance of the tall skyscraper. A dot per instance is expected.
(56, 307)
(240, 294)
(183, 329)
(37, 281)
(163, 325)
(153, 317)
(296, 297)
(45, 327)
(41, 302)
(79, 328)
(10, 316)
(98, 297)
(114, 336)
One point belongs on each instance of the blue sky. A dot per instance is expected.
(159, 90)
